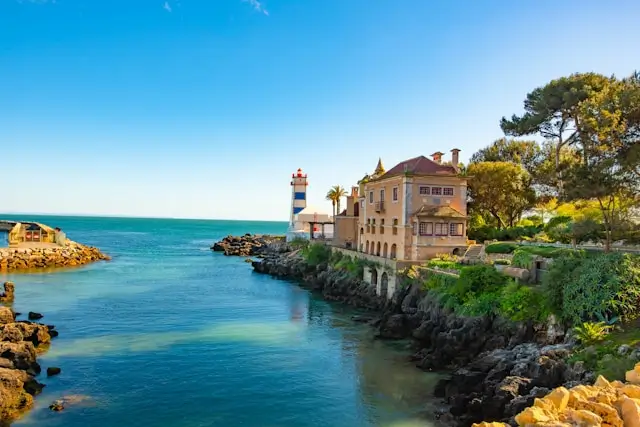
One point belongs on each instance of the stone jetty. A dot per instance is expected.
(20, 342)
(247, 245)
(70, 254)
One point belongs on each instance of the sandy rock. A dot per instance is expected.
(11, 332)
(6, 315)
(70, 255)
(9, 292)
(13, 397)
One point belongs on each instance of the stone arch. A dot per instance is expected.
(384, 285)
(393, 253)
(367, 247)
(374, 276)
(378, 249)
(456, 251)
(385, 250)
(372, 249)
(361, 230)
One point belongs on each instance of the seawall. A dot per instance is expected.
(497, 367)
(70, 255)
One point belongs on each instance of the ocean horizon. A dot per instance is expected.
(169, 333)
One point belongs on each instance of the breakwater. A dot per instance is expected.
(497, 367)
(20, 343)
(247, 244)
(71, 254)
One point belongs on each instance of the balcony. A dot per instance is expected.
(379, 206)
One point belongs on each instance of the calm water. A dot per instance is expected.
(169, 334)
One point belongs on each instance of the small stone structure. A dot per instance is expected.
(70, 255)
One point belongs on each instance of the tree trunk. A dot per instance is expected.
(338, 206)
(333, 203)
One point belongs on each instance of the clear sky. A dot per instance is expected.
(204, 108)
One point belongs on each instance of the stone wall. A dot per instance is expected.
(70, 255)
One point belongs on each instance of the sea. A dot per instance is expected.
(171, 334)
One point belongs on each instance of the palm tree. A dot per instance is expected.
(334, 196)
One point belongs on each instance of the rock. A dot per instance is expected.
(57, 406)
(624, 349)
(34, 316)
(9, 292)
(6, 315)
(14, 399)
(52, 370)
(248, 245)
(69, 255)
(11, 332)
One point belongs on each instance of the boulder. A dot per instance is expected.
(14, 399)
(9, 292)
(6, 315)
(52, 370)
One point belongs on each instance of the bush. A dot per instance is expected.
(519, 303)
(445, 265)
(486, 232)
(502, 262)
(501, 248)
(590, 333)
(603, 286)
(316, 254)
(522, 258)
(556, 221)
(475, 292)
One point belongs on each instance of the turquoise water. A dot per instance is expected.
(170, 334)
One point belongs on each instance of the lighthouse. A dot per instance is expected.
(298, 196)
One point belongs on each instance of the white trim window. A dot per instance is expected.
(456, 229)
(441, 229)
(425, 229)
(436, 191)
(424, 191)
(447, 191)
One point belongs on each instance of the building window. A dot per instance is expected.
(426, 229)
(447, 191)
(373, 221)
(455, 229)
(382, 195)
(394, 194)
(436, 191)
(362, 204)
(395, 222)
(441, 229)
(424, 191)
(371, 197)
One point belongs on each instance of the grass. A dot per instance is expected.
(543, 251)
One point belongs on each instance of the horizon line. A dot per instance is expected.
(121, 216)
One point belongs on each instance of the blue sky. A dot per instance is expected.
(204, 108)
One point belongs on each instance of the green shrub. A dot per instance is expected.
(586, 288)
(590, 333)
(485, 232)
(448, 265)
(519, 303)
(522, 258)
(316, 254)
(556, 221)
(473, 284)
(298, 243)
(501, 248)
(502, 262)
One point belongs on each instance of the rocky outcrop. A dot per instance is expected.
(247, 245)
(604, 403)
(499, 367)
(71, 255)
(9, 292)
(20, 342)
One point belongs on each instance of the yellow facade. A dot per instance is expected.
(412, 212)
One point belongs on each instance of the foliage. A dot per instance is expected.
(335, 195)
(525, 153)
(316, 254)
(475, 291)
(501, 248)
(446, 256)
(486, 232)
(522, 258)
(444, 265)
(519, 303)
(556, 221)
(298, 243)
(500, 189)
(589, 333)
(502, 262)
(581, 288)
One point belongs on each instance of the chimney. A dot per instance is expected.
(437, 157)
(455, 160)
(354, 192)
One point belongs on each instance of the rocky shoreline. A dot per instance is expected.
(72, 254)
(247, 245)
(20, 343)
(497, 367)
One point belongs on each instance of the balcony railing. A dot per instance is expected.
(379, 207)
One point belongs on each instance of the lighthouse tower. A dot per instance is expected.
(298, 196)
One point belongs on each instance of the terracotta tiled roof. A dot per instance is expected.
(420, 165)
(439, 211)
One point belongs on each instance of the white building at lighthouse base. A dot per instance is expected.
(301, 225)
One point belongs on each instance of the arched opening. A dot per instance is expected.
(456, 251)
(361, 230)
(393, 251)
(378, 249)
(367, 247)
(385, 249)
(356, 209)
(374, 276)
(361, 246)
(384, 284)
(372, 249)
